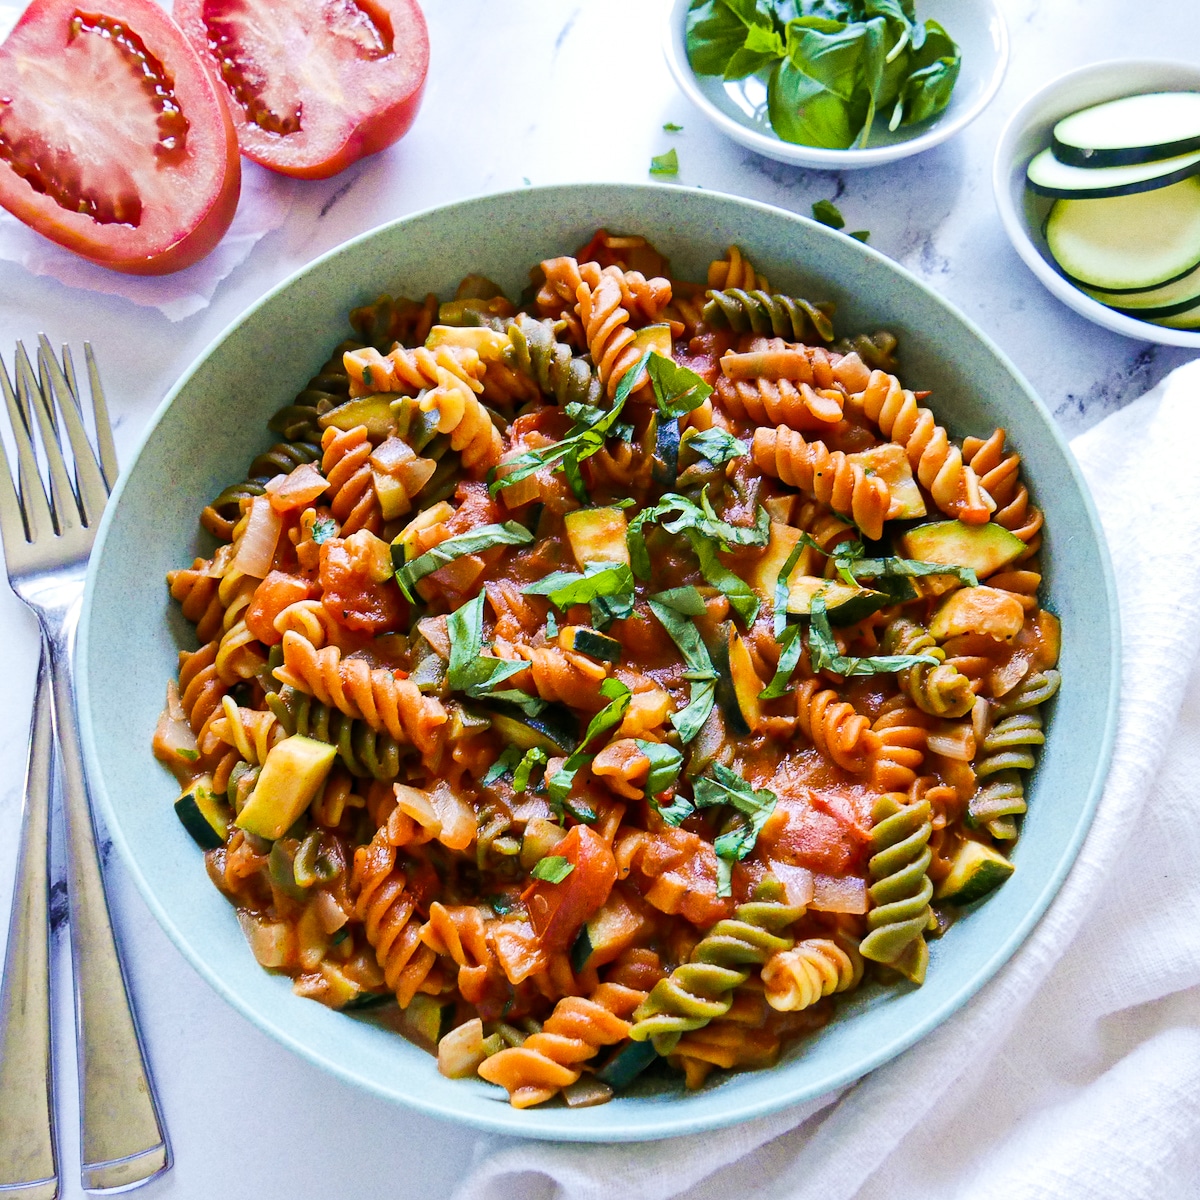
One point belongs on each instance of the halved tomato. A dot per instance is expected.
(114, 140)
(313, 85)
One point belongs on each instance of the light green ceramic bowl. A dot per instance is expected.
(213, 422)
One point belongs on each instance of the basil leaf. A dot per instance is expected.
(474, 673)
(792, 646)
(534, 757)
(674, 813)
(665, 164)
(742, 597)
(505, 763)
(665, 763)
(702, 675)
(860, 235)
(717, 446)
(565, 588)
(618, 695)
(825, 655)
(677, 513)
(827, 213)
(552, 869)
(677, 389)
(802, 107)
(671, 127)
(714, 35)
(907, 568)
(753, 808)
(551, 626)
(508, 534)
(685, 600)
(782, 585)
(935, 67)
(323, 529)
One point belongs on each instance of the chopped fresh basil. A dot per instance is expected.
(551, 626)
(701, 674)
(665, 164)
(686, 600)
(618, 695)
(552, 869)
(782, 588)
(500, 905)
(508, 534)
(505, 763)
(752, 807)
(477, 674)
(678, 513)
(792, 644)
(535, 757)
(677, 389)
(828, 213)
(665, 762)
(742, 597)
(565, 588)
(671, 127)
(583, 812)
(717, 446)
(861, 235)
(323, 529)
(826, 657)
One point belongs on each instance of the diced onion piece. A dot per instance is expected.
(298, 489)
(521, 492)
(797, 882)
(461, 1051)
(436, 633)
(954, 740)
(518, 950)
(416, 804)
(390, 455)
(413, 476)
(256, 546)
(270, 941)
(330, 912)
(843, 894)
(587, 1092)
(372, 555)
(457, 817)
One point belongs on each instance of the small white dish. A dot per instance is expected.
(739, 109)
(1023, 213)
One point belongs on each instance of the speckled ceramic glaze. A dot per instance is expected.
(213, 422)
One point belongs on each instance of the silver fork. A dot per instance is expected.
(47, 540)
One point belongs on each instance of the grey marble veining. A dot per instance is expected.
(546, 92)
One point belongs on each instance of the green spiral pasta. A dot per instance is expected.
(536, 352)
(941, 690)
(699, 990)
(759, 312)
(223, 511)
(901, 889)
(329, 387)
(363, 751)
(877, 350)
(1006, 751)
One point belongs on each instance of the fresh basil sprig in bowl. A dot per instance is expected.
(838, 83)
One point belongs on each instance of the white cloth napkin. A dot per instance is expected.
(265, 203)
(1076, 1072)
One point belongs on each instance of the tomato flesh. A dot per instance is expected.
(558, 910)
(114, 142)
(313, 85)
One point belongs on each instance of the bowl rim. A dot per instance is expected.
(675, 1120)
(1003, 165)
(819, 157)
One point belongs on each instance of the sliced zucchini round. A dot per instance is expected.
(1125, 244)
(1189, 319)
(1049, 177)
(1134, 129)
(1176, 297)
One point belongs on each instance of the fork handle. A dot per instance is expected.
(123, 1142)
(28, 1157)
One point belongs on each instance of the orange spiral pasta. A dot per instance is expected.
(834, 727)
(553, 1059)
(936, 462)
(827, 476)
(344, 462)
(503, 706)
(387, 704)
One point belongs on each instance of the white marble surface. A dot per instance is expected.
(544, 91)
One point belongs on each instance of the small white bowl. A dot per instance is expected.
(740, 109)
(1023, 213)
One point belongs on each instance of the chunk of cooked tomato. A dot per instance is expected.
(313, 86)
(114, 140)
(352, 595)
(271, 597)
(559, 910)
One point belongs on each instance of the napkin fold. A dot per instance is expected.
(265, 202)
(1075, 1073)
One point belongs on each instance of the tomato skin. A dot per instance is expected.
(379, 95)
(558, 910)
(271, 597)
(204, 192)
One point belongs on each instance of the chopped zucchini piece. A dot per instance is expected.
(394, 500)
(983, 548)
(403, 543)
(978, 610)
(427, 1019)
(627, 1064)
(764, 575)
(746, 683)
(291, 776)
(653, 337)
(597, 535)
(374, 411)
(843, 604)
(975, 870)
(555, 729)
(588, 641)
(890, 463)
(610, 930)
(487, 343)
(541, 836)
(203, 814)
(726, 694)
